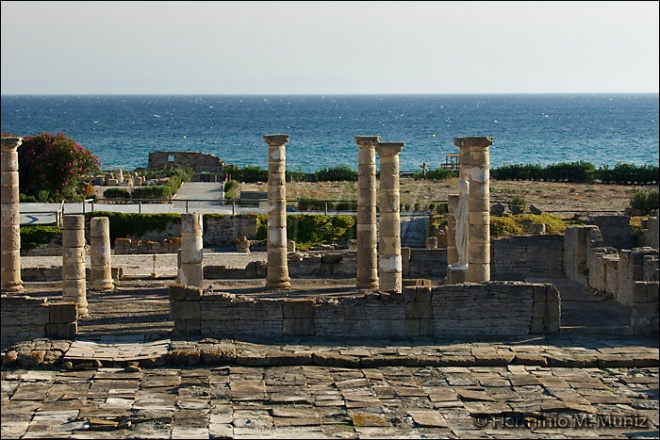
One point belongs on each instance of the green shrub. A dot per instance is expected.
(33, 236)
(645, 200)
(55, 163)
(116, 193)
(505, 226)
(336, 174)
(311, 230)
(247, 174)
(22, 198)
(519, 200)
(231, 189)
(437, 174)
(124, 225)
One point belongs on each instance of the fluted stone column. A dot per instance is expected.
(191, 272)
(278, 268)
(10, 223)
(390, 267)
(475, 168)
(367, 227)
(74, 282)
(100, 273)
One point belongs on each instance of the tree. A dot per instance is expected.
(55, 165)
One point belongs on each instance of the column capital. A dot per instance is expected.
(276, 140)
(12, 142)
(389, 148)
(367, 141)
(473, 141)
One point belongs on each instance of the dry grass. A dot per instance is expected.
(547, 196)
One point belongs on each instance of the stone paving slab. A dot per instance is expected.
(137, 350)
(374, 402)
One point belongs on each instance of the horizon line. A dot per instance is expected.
(329, 94)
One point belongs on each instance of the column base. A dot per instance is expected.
(456, 275)
(12, 287)
(370, 284)
(279, 283)
(103, 286)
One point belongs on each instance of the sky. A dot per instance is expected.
(356, 47)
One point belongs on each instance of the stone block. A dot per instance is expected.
(298, 309)
(184, 310)
(298, 327)
(63, 312)
(62, 330)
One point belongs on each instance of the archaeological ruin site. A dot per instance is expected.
(471, 287)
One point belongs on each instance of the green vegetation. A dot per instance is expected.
(53, 167)
(133, 224)
(231, 189)
(519, 201)
(310, 231)
(645, 200)
(338, 173)
(438, 174)
(507, 225)
(33, 236)
(579, 172)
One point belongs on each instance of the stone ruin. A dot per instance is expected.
(206, 167)
(387, 302)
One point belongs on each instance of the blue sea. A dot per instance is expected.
(604, 129)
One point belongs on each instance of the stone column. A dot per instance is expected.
(390, 267)
(475, 168)
(10, 223)
(100, 274)
(74, 283)
(367, 227)
(191, 272)
(278, 268)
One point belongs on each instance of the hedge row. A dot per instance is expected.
(579, 172)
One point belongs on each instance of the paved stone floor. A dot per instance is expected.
(591, 388)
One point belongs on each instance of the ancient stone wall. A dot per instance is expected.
(628, 275)
(615, 230)
(645, 303)
(465, 311)
(520, 257)
(199, 162)
(25, 318)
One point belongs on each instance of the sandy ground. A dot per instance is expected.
(548, 196)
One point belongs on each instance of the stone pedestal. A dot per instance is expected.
(390, 267)
(192, 250)
(100, 273)
(278, 268)
(367, 228)
(74, 282)
(10, 223)
(475, 168)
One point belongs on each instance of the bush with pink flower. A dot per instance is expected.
(54, 167)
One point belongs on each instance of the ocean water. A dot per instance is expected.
(527, 129)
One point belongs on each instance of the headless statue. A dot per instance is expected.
(461, 215)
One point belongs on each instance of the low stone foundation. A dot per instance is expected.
(494, 309)
(25, 318)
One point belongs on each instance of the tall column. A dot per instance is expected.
(191, 272)
(475, 168)
(278, 268)
(367, 228)
(100, 273)
(74, 283)
(390, 267)
(10, 223)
